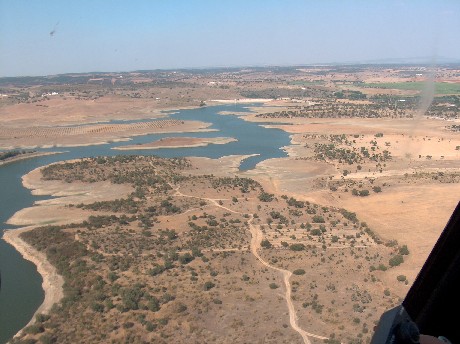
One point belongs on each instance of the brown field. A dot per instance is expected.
(26, 137)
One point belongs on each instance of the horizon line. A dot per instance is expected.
(374, 62)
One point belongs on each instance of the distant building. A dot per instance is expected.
(50, 94)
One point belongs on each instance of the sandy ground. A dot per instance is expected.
(284, 175)
(54, 211)
(412, 214)
(179, 142)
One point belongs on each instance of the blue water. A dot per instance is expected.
(21, 291)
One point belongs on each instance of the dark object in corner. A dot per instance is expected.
(432, 305)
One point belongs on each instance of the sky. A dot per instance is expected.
(45, 37)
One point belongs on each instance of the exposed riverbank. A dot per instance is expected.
(179, 142)
(26, 156)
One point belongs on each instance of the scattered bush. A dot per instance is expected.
(208, 285)
(299, 272)
(401, 278)
(266, 197)
(318, 219)
(297, 247)
(266, 244)
(403, 250)
(396, 260)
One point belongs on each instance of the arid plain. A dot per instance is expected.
(308, 248)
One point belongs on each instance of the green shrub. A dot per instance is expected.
(396, 260)
(316, 231)
(401, 278)
(97, 307)
(403, 250)
(299, 272)
(377, 189)
(363, 193)
(149, 326)
(266, 197)
(42, 317)
(318, 219)
(266, 244)
(128, 324)
(47, 339)
(297, 247)
(208, 285)
(34, 329)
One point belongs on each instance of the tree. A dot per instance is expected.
(318, 219)
(401, 278)
(97, 307)
(396, 260)
(186, 258)
(208, 285)
(265, 243)
(364, 193)
(131, 297)
(315, 231)
(377, 189)
(297, 247)
(266, 197)
(403, 250)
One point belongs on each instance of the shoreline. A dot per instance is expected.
(241, 100)
(52, 282)
(174, 142)
(26, 156)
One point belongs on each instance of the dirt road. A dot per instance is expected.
(256, 239)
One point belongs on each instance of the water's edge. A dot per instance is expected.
(22, 293)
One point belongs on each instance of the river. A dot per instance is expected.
(21, 292)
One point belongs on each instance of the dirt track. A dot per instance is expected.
(256, 239)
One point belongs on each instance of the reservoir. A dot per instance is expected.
(21, 292)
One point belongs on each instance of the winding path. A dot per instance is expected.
(256, 239)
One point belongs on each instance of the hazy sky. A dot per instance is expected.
(112, 35)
